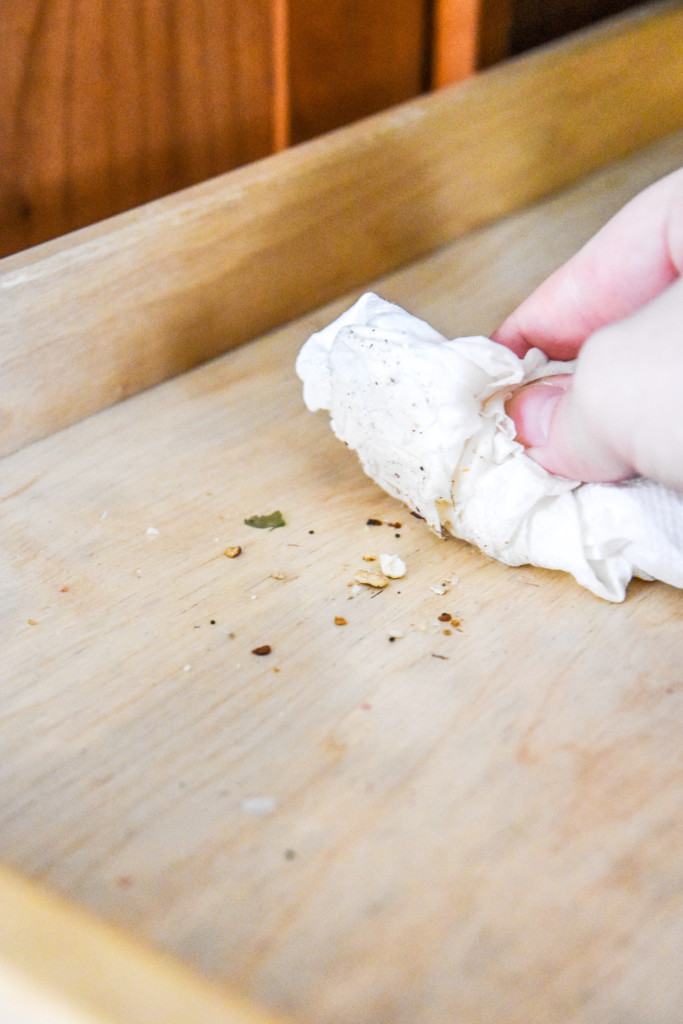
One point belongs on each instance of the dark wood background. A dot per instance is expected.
(105, 106)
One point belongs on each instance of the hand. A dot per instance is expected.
(617, 307)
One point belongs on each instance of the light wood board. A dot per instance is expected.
(471, 823)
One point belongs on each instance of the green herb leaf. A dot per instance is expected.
(270, 522)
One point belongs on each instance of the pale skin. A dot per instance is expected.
(617, 307)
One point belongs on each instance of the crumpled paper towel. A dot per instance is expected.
(426, 416)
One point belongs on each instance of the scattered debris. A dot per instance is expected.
(233, 552)
(268, 522)
(262, 650)
(392, 566)
(444, 586)
(258, 806)
(339, 620)
(152, 531)
(373, 522)
(371, 579)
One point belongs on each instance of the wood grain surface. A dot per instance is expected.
(349, 59)
(104, 107)
(123, 305)
(388, 820)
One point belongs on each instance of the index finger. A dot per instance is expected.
(630, 261)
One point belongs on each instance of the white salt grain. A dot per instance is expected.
(258, 806)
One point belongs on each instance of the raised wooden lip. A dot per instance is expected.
(61, 965)
(101, 314)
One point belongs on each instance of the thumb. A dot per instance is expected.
(619, 415)
(555, 433)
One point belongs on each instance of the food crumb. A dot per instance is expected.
(262, 650)
(339, 620)
(269, 522)
(152, 531)
(373, 522)
(371, 579)
(32, 622)
(233, 552)
(277, 576)
(445, 617)
(258, 806)
(392, 566)
(369, 558)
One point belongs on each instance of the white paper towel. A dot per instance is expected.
(426, 416)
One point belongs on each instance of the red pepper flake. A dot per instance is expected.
(64, 590)
(262, 650)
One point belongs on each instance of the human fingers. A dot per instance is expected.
(632, 259)
(620, 415)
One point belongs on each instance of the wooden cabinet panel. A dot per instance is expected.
(350, 59)
(534, 22)
(104, 106)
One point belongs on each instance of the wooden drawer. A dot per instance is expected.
(475, 822)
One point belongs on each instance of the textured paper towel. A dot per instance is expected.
(426, 416)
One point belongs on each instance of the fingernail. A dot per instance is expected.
(531, 410)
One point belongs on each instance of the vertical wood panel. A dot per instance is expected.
(469, 35)
(105, 106)
(348, 60)
(535, 22)
(455, 40)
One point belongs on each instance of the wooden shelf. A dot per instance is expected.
(476, 825)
